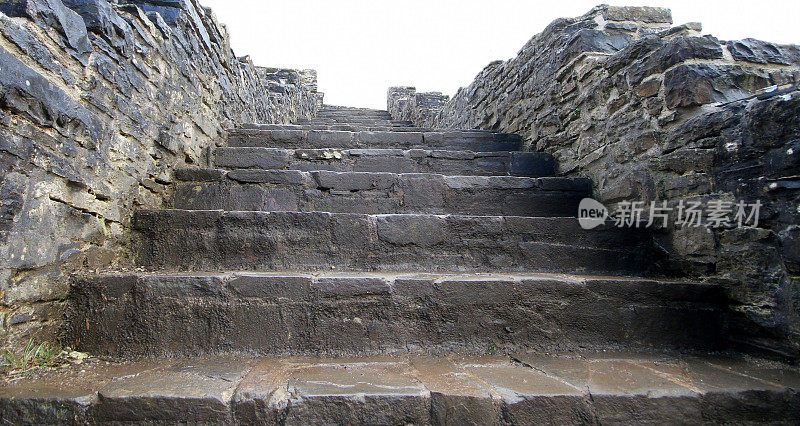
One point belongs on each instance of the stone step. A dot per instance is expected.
(366, 123)
(521, 389)
(377, 193)
(353, 110)
(503, 163)
(448, 140)
(370, 115)
(390, 125)
(219, 240)
(375, 313)
(345, 127)
(354, 120)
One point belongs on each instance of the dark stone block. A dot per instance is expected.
(762, 52)
(199, 175)
(251, 158)
(531, 164)
(350, 287)
(273, 288)
(358, 181)
(52, 14)
(28, 93)
(422, 231)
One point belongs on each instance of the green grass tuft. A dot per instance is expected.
(33, 356)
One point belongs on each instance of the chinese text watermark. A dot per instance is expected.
(638, 214)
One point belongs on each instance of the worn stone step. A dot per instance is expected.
(375, 193)
(503, 163)
(520, 389)
(351, 120)
(352, 110)
(347, 115)
(219, 240)
(449, 140)
(374, 313)
(345, 127)
(358, 123)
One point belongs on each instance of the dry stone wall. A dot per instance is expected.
(404, 103)
(99, 101)
(651, 111)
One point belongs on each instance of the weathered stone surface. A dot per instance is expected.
(520, 389)
(455, 397)
(388, 160)
(52, 14)
(637, 14)
(313, 139)
(287, 240)
(62, 397)
(99, 103)
(193, 390)
(762, 52)
(375, 193)
(362, 313)
(527, 395)
(649, 113)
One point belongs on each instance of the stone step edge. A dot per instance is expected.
(325, 284)
(339, 127)
(331, 153)
(218, 213)
(521, 388)
(302, 127)
(328, 179)
(489, 163)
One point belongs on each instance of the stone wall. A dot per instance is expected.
(99, 102)
(405, 104)
(651, 111)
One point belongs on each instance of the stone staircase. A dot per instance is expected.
(355, 269)
(363, 242)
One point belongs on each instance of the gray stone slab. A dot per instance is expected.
(528, 396)
(64, 396)
(526, 388)
(456, 397)
(361, 391)
(194, 390)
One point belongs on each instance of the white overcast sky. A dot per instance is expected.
(361, 47)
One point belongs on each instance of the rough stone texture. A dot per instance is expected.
(254, 240)
(650, 111)
(521, 389)
(404, 103)
(369, 313)
(531, 164)
(322, 139)
(379, 193)
(98, 102)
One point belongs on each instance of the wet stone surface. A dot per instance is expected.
(523, 388)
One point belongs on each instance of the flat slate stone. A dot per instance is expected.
(525, 388)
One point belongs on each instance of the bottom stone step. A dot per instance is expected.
(370, 313)
(587, 388)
